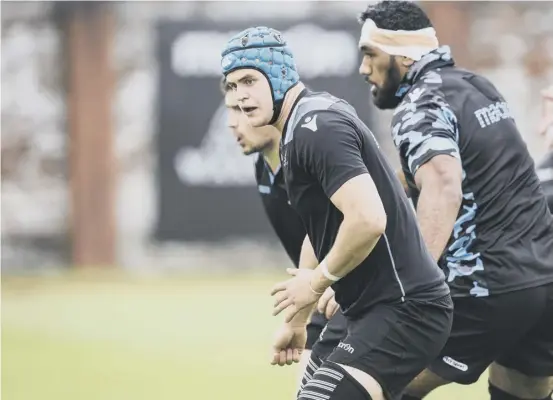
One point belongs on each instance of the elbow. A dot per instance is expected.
(372, 225)
(452, 193)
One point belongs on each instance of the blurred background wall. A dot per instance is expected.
(114, 148)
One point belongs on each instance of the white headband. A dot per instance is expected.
(411, 44)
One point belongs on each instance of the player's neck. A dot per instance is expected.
(287, 105)
(272, 156)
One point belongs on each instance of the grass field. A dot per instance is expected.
(90, 337)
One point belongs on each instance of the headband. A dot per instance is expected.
(411, 44)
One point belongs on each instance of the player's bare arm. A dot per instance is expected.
(363, 225)
(326, 304)
(428, 142)
(440, 184)
(289, 340)
(308, 261)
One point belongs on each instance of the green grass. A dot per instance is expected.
(116, 338)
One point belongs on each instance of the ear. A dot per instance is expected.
(406, 61)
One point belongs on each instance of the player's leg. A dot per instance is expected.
(329, 336)
(314, 332)
(423, 384)
(302, 366)
(384, 350)
(483, 329)
(334, 381)
(526, 372)
(509, 384)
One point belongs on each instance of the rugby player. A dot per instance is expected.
(479, 205)
(286, 223)
(362, 235)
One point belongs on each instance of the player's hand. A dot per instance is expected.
(327, 304)
(295, 294)
(288, 344)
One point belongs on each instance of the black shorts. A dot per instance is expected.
(513, 329)
(395, 342)
(332, 333)
(314, 329)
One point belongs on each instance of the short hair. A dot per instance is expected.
(396, 15)
(224, 86)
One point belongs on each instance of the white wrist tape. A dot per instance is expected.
(328, 275)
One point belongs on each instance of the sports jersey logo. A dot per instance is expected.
(310, 123)
(346, 347)
(455, 364)
(493, 114)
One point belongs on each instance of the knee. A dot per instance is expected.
(518, 385)
(423, 384)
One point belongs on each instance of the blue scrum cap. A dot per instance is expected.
(265, 50)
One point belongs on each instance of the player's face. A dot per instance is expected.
(253, 94)
(383, 72)
(251, 139)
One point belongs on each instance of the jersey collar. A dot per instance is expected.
(441, 57)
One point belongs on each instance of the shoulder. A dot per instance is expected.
(317, 110)
(425, 92)
(319, 124)
(424, 108)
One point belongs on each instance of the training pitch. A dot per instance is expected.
(110, 337)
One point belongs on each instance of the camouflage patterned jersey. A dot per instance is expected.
(503, 237)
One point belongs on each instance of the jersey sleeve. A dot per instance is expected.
(424, 126)
(329, 149)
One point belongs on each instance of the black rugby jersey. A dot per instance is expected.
(324, 144)
(285, 221)
(503, 237)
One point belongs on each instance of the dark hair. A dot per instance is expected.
(224, 86)
(396, 15)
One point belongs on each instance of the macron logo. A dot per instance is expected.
(455, 364)
(310, 123)
(346, 347)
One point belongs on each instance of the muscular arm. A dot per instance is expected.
(426, 132)
(439, 182)
(333, 156)
(363, 224)
(308, 260)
